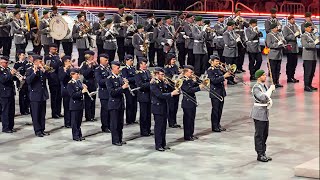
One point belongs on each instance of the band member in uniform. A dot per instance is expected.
(5, 39)
(138, 41)
(7, 95)
(44, 28)
(35, 35)
(199, 46)
(116, 86)
(260, 114)
(54, 13)
(272, 20)
(53, 60)
(182, 52)
(129, 72)
(308, 19)
(167, 35)
(109, 39)
(172, 69)
(30, 59)
(76, 90)
(253, 47)
(19, 30)
(97, 29)
(157, 44)
(130, 30)
(80, 34)
(102, 72)
(119, 23)
(230, 51)
(67, 44)
(143, 78)
(189, 38)
(309, 56)
(149, 25)
(275, 42)
(160, 96)
(20, 67)
(87, 69)
(217, 77)
(190, 87)
(220, 28)
(64, 78)
(36, 77)
(291, 33)
(209, 37)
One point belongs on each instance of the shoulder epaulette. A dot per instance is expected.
(71, 81)
(138, 71)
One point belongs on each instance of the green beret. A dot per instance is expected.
(140, 26)
(128, 18)
(308, 14)
(273, 10)
(237, 10)
(253, 21)
(108, 21)
(259, 73)
(3, 6)
(230, 23)
(17, 6)
(290, 17)
(198, 18)
(206, 21)
(273, 25)
(167, 17)
(179, 13)
(220, 15)
(64, 13)
(45, 12)
(121, 6)
(189, 15)
(307, 24)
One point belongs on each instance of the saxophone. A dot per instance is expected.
(145, 44)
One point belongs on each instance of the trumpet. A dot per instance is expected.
(20, 77)
(88, 93)
(126, 81)
(203, 79)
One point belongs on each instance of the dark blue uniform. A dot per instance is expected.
(217, 85)
(129, 72)
(24, 102)
(173, 103)
(7, 99)
(54, 85)
(64, 77)
(116, 107)
(76, 107)
(90, 82)
(38, 93)
(159, 98)
(143, 81)
(101, 74)
(190, 87)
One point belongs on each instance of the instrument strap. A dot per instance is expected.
(169, 31)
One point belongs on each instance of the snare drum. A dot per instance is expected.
(61, 27)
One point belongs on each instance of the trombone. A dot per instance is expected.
(231, 69)
(203, 79)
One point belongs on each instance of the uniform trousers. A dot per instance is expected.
(6, 43)
(220, 53)
(182, 52)
(151, 53)
(24, 102)
(190, 59)
(275, 69)
(36, 48)
(66, 111)
(173, 105)
(20, 47)
(292, 61)
(145, 118)
(67, 48)
(90, 107)
(8, 110)
(255, 60)
(309, 67)
(160, 127)
(116, 125)
(112, 54)
(104, 115)
(56, 100)
(76, 120)
(38, 115)
(160, 58)
(46, 50)
(261, 136)
(189, 115)
(216, 113)
(121, 50)
(57, 42)
(200, 63)
(129, 50)
(131, 107)
(241, 52)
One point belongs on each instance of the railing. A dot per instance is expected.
(214, 5)
(242, 5)
(296, 8)
(314, 8)
(198, 6)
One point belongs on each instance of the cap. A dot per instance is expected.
(158, 69)
(259, 73)
(273, 10)
(108, 21)
(16, 12)
(37, 57)
(189, 15)
(230, 23)
(158, 20)
(45, 12)
(64, 12)
(53, 8)
(4, 58)
(206, 22)
(65, 58)
(128, 18)
(100, 14)
(220, 15)
(171, 56)
(30, 53)
(19, 51)
(167, 17)
(308, 14)
(253, 21)
(53, 45)
(273, 25)
(179, 13)
(198, 18)
(237, 10)
(128, 57)
(17, 6)
(121, 6)
(89, 52)
(188, 67)
(3, 6)
(149, 15)
(143, 59)
(117, 63)
(104, 55)
(307, 24)
(74, 70)
(140, 26)
(214, 56)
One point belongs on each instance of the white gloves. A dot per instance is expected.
(315, 30)
(297, 34)
(270, 90)
(185, 37)
(123, 23)
(147, 41)
(316, 41)
(170, 42)
(47, 28)
(238, 39)
(280, 43)
(141, 48)
(162, 43)
(183, 33)
(279, 26)
(204, 27)
(85, 35)
(107, 33)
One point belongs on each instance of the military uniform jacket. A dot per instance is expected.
(18, 30)
(6, 83)
(159, 97)
(102, 73)
(76, 96)
(143, 81)
(216, 81)
(230, 47)
(149, 25)
(239, 28)
(209, 37)
(46, 39)
(220, 29)
(55, 63)
(303, 28)
(129, 73)
(37, 85)
(309, 51)
(109, 39)
(156, 37)
(96, 28)
(253, 43)
(21, 67)
(4, 25)
(116, 99)
(28, 65)
(64, 78)
(269, 21)
(117, 19)
(171, 70)
(260, 113)
(81, 42)
(177, 24)
(137, 41)
(190, 87)
(288, 34)
(166, 33)
(188, 29)
(199, 43)
(130, 31)
(276, 51)
(89, 76)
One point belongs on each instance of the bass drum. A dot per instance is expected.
(61, 27)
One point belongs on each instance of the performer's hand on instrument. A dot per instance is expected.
(185, 37)
(316, 41)
(315, 30)
(141, 48)
(13, 71)
(170, 42)
(202, 86)
(204, 28)
(175, 92)
(47, 28)
(123, 24)
(238, 39)
(125, 85)
(280, 43)
(162, 43)
(297, 34)
(273, 87)
(226, 75)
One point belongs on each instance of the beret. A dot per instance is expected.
(308, 14)
(104, 55)
(17, 6)
(189, 15)
(117, 63)
(274, 25)
(273, 10)
(179, 13)
(188, 67)
(198, 18)
(64, 12)
(307, 24)
(121, 6)
(128, 18)
(45, 12)
(128, 57)
(100, 14)
(108, 21)
(167, 17)
(140, 26)
(258, 73)
(89, 52)
(3, 6)
(159, 69)
(230, 23)
(158, 20)
(65, 58)
(206, 21)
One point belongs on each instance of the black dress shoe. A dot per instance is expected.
(176, 126)
(290, 80)
(222, 129)
(296, 80)
(123, 142)
(45, 133)
(269, 158)
(67, 126)
(82, 138)
(194, 137)
(55, 117)
(243, 70)
(313, 88)
(8, 131)
(117, 144)
(60, 115)
(308, 89)
(77, 139)
(230, 83)
(106, 131)
(24, 113)
(39, 135)
(262, 158)
(216, 130)
(166, 148)
(13, 130)
(189, 139)
(160, 149)
(278, 85)
(145, 135)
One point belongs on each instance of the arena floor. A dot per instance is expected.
(293, 139)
